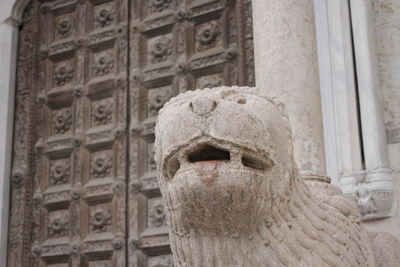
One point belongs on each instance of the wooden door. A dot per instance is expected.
(75, 122)
(176, 45)
(92, 76)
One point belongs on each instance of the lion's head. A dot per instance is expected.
(224, 155)
(231, 188)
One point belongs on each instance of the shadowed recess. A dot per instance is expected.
(254, 163)
(208, 153)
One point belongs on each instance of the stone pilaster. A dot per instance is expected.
(373, 188)
(8, 56)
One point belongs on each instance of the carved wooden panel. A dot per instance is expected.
(84, 190)
(78, 166)
(176, 45)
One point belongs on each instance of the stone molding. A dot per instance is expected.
(378, 182)
(370, 185)
(338, 89)
(13, 10)
(10, 17)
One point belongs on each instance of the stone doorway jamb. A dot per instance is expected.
(10, 19)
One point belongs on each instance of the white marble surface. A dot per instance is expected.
(387, 21)
(6, 7)
(338, 90)
(287, 68)
(371, 105)
(8, 37)
(387, 27)
(378, 173)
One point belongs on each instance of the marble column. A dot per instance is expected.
(338, 89)
(8, 52)
(374, 187)
(387, 21)
(286, 67)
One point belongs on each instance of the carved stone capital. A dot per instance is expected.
(373, 192)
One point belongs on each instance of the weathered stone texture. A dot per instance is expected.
(386, 16)
(286, 64)
(232, 190)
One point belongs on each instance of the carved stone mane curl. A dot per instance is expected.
(232, 192)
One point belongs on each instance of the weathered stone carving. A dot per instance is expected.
(386, 249)
(362, 194)
(232, 192)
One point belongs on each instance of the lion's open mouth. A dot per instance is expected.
(205, 153)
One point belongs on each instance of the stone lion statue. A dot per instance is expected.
(232, 193)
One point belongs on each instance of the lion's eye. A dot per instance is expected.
(254, 163)
(173, 166)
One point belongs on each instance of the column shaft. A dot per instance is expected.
(286, 68)
(8, 56)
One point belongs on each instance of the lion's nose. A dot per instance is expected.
(202, 106)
